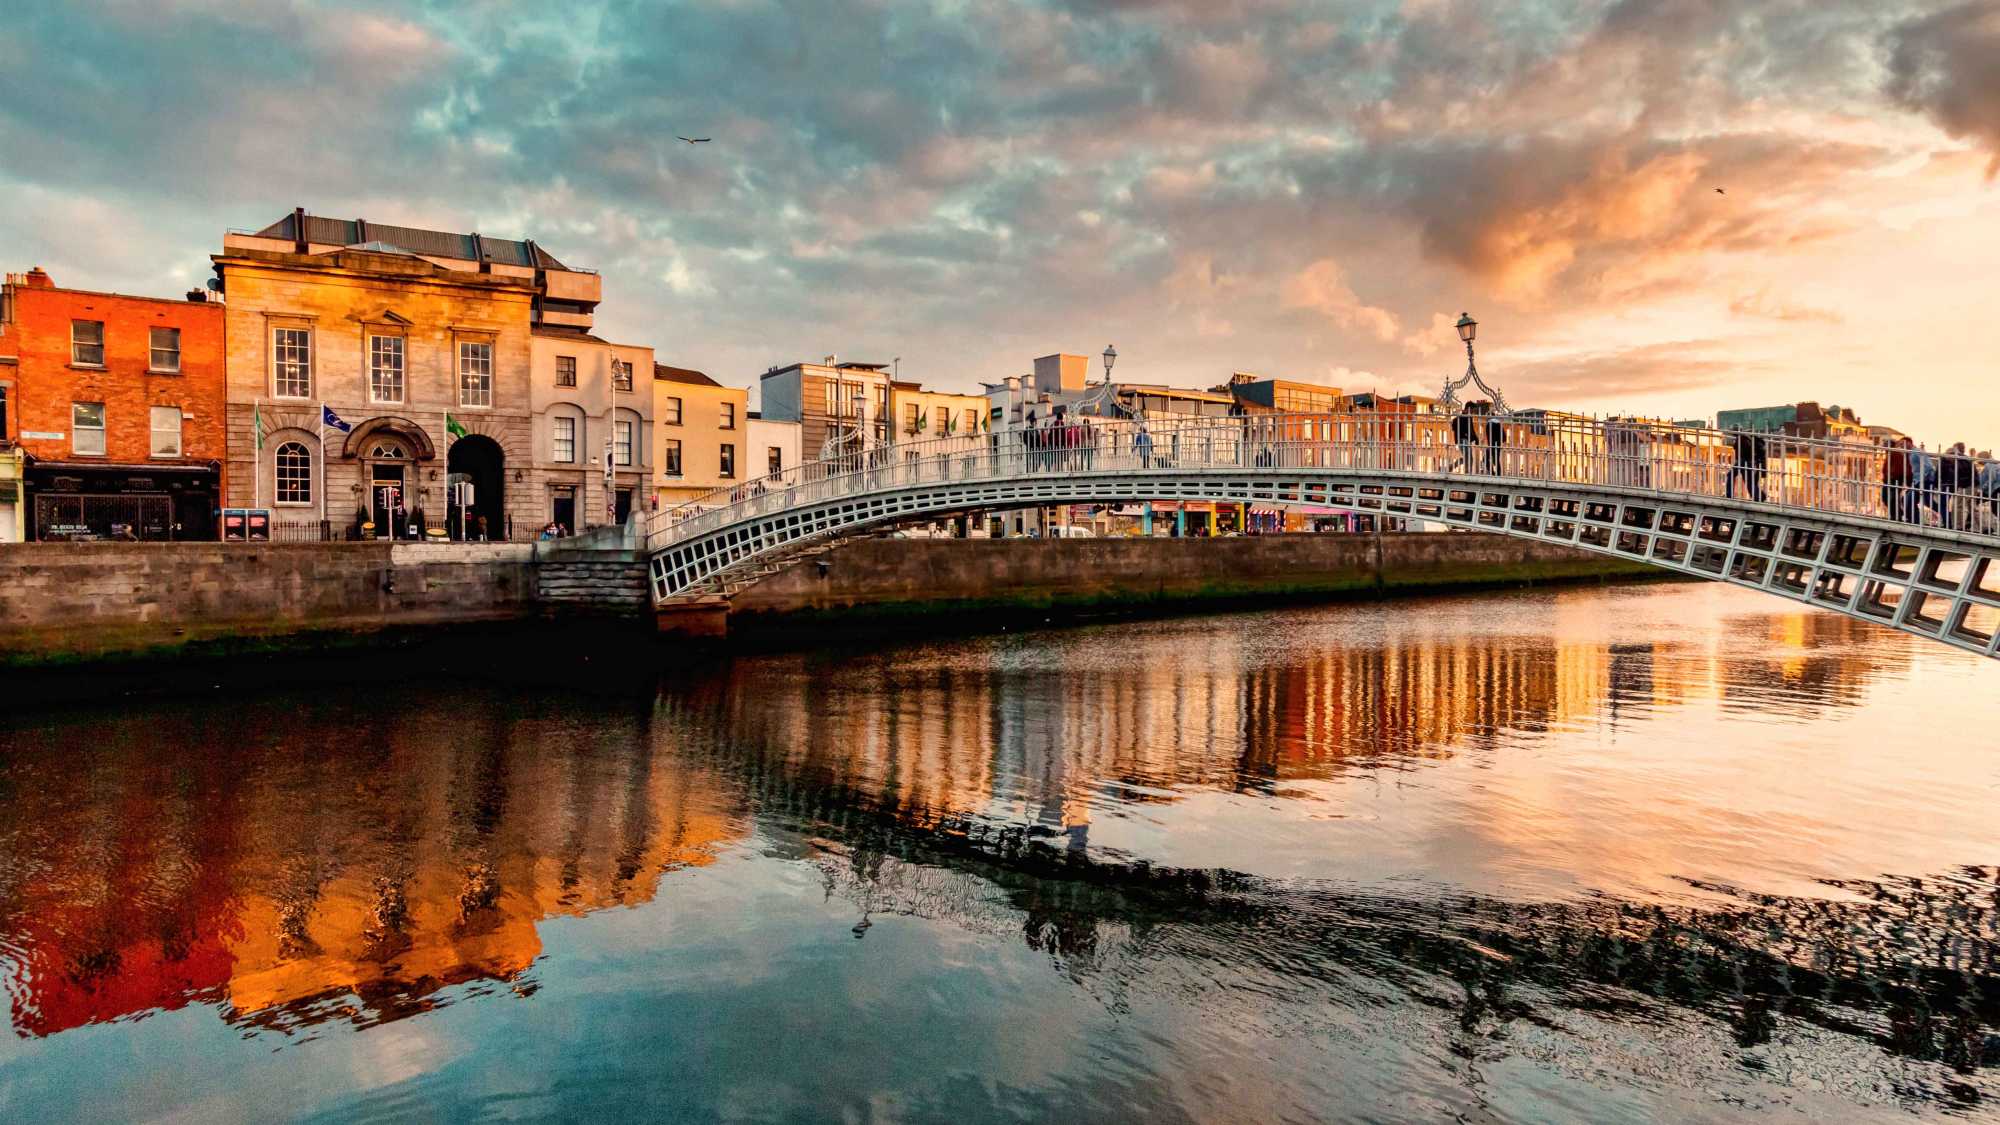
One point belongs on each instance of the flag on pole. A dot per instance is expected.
(452, 426)
(257, 412)
(328, 418)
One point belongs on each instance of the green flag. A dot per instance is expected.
(259, 416)
(452, 427)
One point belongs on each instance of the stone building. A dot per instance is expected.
(421, 343)
(115, 406)
(921, 414)
(588, 394)
(702, 435)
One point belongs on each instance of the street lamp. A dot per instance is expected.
(1110, 357)
(1467, 329)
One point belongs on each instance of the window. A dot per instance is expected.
(291, 353)
(294, 474)
(385, 368)
(832, 399)
(3, 412)
(671, 412)
(621, 441)
(728, 462)
(86, 421)
(386, 450)
(475, 374)
(166, 350)
(565, 438)
(565, 371)
(943, 419)
(166, 431)
(910, 417)
(621, 375)
(971, 419)
(673, 457)
(86, 343)
(728, 415)
(774, 458)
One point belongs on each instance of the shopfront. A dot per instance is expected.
(85, 501)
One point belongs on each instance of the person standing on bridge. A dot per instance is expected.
(1142, 444)
(1896, 499)
(1465, 429)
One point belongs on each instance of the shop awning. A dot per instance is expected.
(150, 468)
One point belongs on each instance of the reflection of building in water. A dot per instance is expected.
(1007, 734)
(297, 883)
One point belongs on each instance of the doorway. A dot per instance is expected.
(479, 457)
(386, 493)
(562, 510)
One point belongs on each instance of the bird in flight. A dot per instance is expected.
(1719, 191)
(692, 140)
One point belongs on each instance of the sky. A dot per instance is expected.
(1308, 190)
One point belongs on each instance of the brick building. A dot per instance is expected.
(117, 405)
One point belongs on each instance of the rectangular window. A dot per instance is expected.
(565, 371)
(86, 423)
(565, 440)
(670, 414)
(166, 431)
(971, 419)
(475, 374)
(621, 375)
(728, 415)
(385, 368)
(622, 441)
(86, 343)
(165, 355)
(728, 462)
(832, 399)
(943, 417)
(673, 458)
(910, 417)
(291, 354)
(3, 412)
(774, 458)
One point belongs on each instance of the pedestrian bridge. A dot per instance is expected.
(1908, 541)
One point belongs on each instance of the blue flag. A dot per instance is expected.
(328, 418)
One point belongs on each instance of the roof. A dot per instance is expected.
(415, 240)
(682, 375)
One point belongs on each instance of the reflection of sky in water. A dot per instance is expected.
(1569, 854)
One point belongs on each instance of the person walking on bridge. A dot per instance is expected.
(1465, 430)
(1142, 444)
(1896, 498)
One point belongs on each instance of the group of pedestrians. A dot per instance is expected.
(1475, 427)
(1958, 489)
(1061, 442)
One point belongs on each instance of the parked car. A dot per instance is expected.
(1071, 532)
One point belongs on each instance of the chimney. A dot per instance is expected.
(298, 230)
(198, 296)
(38, 278)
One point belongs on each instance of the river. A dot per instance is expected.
(1625, 853)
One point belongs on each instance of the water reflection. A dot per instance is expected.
(1574, 832)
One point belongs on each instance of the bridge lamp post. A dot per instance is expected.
(1467, 329)
(1110, 357)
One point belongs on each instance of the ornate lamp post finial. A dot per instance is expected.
(1467, 329)
(1110, 357)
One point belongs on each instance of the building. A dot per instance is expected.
(586, 397)
(1255, 394)
(703, 435)
(920, 414)
(773, 446)
(418, 344)
(1804, 419)
(114, 405)
(839, 406)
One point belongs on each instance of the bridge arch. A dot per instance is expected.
(1810, 537)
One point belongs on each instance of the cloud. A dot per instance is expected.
(1947, 65)
(1322, 288)
(1764, 305)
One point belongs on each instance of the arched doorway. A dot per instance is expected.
(477, 460)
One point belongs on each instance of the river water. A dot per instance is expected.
(1659, 852)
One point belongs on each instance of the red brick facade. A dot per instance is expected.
(50, 378)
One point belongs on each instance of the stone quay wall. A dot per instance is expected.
(62, 602)
(883, 578)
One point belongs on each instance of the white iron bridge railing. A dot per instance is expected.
(1922, 489)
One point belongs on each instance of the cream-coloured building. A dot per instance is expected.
(921, 415)
(588, 393)
(701, 433)
(774, 446)
(419, 342)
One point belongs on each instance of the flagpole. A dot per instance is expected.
(322, 463)
(257, 451)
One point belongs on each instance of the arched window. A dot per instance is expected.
(387, 449)
(294, 474)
